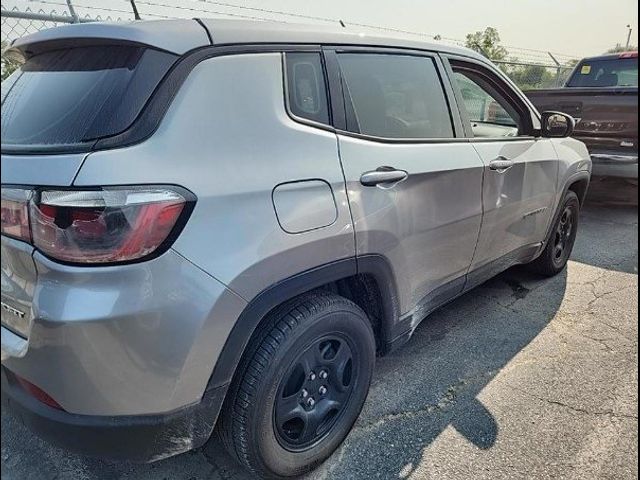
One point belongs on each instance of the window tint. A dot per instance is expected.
(307, 87)
(490, 113)
(68, 97)
(613, 72)
(395, 96)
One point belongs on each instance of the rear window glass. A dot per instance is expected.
(614, 72)
(74, 96)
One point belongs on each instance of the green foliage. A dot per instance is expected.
(487, 43)
(621, 48)
(532, 76)
(9, 65)
(527, 77)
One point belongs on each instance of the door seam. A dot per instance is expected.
(482, 218)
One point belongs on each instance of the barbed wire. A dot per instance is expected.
(531, 67)
(376, 27)
(197, 7)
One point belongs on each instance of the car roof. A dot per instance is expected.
(612, 56)
(181, 36)
(224, 31)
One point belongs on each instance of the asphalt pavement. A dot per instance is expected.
(522, 378)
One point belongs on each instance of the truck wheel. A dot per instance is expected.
(300, 386)
(556, 255)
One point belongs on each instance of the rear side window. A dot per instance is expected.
(395, 96)
(613, 72)
(307, 91)
(67, 98)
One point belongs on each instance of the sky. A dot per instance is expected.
(575, 28)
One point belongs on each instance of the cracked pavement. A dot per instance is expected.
(521, 378)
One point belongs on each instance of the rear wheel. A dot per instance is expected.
(556, 255)
(301, 386)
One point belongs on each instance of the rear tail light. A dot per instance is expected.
(37, 393)
(109, 225)
(15, 213)
(629, 55)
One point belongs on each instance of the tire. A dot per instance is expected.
(556, 254)
(277, 419)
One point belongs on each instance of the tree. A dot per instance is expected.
(532, 76)
(9, 65)
(621, 48)
(487, 43)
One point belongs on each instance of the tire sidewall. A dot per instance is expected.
(346, 321)
(570, 200)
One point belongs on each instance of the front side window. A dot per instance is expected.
(307, 92)
(490, 113)
(395, 96)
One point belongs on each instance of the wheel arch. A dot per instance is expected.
(368, 281)
(577, 183)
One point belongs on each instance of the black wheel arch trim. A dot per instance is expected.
(375, 265)
(570, 182)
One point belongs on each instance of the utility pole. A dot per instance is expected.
(629, 37)
(72, 12)
(134, 7)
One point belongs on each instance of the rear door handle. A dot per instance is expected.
(383, 176)
(501, 164)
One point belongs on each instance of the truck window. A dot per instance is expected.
(611, 72)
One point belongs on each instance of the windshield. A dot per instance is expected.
(75, 96)
(614, 72)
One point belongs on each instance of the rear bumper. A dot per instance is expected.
(13, 345)
(615, 165)
(142, 438)
(139, 339)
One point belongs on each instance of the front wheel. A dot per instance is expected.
(556, 254)
(300, 387)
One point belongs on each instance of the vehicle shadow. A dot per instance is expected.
(433, 383)
(609, 238)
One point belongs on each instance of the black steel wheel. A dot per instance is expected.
(557, 252)
(300, 386)
(314, 393)
(564, 237)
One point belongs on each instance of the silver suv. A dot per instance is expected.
(214, 224)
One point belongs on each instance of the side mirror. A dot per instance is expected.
(557, 125)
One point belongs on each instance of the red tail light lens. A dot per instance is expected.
(37, 393)
(15, 213)
(104, 226)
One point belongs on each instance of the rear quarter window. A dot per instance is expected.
(72, 97)
(306, 87)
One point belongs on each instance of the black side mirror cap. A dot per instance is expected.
(557, 125)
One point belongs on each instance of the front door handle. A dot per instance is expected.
(501, 164)
(383, 176)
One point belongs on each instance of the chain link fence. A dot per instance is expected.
(530, 76)
(539, 69)
(17, 22)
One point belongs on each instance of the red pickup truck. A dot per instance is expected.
(602, 95)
